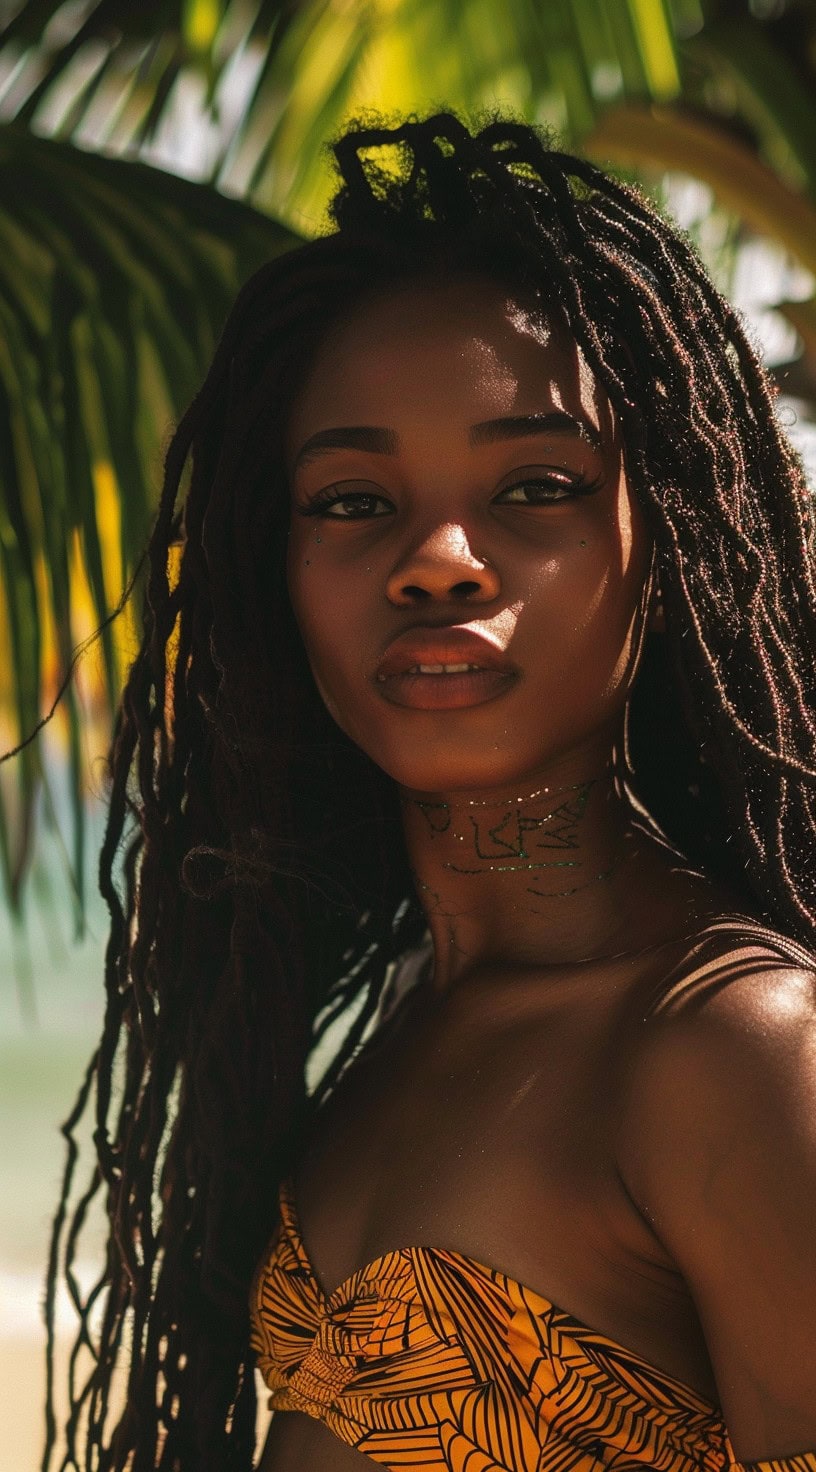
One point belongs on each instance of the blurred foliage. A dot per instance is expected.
(280, 76)
(114, 278)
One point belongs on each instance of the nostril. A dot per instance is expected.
(419, 594)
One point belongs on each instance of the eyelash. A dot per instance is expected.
(321, 503)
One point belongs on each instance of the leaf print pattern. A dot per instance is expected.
(426, 1359)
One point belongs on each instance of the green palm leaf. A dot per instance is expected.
(314, 62)
(115, 280)
(770, 90)
(663, 138)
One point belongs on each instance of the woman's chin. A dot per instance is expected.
(451, 777)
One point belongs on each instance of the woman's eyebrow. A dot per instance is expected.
(519, 426)
(380, 441)
(348, 437)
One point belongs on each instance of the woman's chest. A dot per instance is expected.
(492, 1133)
(487, 1128)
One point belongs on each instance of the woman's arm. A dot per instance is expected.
(718, 1151)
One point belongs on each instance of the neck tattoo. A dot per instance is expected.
(519, 837)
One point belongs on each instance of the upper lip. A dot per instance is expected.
(449, 645)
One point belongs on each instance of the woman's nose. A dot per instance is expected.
(443, 566)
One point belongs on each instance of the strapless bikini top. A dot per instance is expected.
(425, 1358)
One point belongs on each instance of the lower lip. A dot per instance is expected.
(445, 692)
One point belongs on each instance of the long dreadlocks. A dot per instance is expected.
(262, 887)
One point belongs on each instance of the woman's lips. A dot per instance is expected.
(445, 691)
(443, 669)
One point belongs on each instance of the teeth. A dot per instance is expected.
(441, 669)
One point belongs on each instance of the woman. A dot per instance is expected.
(464, 958)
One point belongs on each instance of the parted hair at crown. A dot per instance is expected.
(253, 860)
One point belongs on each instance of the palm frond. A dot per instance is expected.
(280, 76)
(666, 138)
(769, 91)
(115, 280)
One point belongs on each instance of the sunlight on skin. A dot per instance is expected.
(482, 384)
(528, 536)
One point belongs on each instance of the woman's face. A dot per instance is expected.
(467, 506)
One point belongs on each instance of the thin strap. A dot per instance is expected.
(774, 939)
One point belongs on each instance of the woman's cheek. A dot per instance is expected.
(335, 663)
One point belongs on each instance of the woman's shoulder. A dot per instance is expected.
(737, 975)
(731, 1017)
(732, 957)
(717, 1152)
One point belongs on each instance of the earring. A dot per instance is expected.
(657, 617)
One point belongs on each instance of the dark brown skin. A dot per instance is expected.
(638, 1149)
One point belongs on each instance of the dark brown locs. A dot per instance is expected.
(253, 861)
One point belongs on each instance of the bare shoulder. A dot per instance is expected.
(717, 1150)
(740, 974)
(726, 1043)
(738, 1012)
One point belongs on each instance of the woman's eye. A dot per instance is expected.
(539, 491)
(353, 506)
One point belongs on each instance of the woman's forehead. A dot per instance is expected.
(467, 340)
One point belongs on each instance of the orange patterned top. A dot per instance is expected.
(425, 1358)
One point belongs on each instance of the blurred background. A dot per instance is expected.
(152, 154)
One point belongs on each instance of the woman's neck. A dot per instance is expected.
(564, 870)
